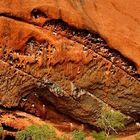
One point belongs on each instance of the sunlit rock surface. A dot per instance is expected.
(117, 21)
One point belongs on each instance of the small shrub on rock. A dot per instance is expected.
(137, 136)
(37, 132)
(101, 136)
(78, 135)
(110, 120)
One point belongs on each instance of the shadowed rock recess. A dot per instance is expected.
(52, 50)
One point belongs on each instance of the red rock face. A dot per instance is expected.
(116, 21)
(74, 69)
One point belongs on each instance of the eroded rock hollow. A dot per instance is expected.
(76, 58)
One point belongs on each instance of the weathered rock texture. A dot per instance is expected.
(117, 21)
(73, 69)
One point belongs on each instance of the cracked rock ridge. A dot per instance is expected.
(73, 69)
